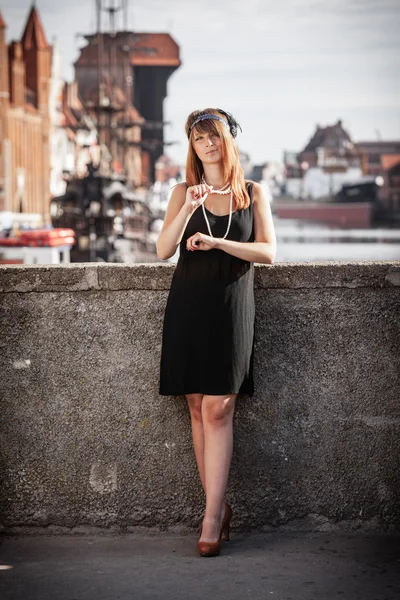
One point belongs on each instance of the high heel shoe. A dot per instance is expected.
(226, 522)
(214, 548)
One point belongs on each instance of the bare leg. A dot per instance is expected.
(194, 402)
(217, 413)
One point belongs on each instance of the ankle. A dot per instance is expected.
(214, 512)
(211, 519)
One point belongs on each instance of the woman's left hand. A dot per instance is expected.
(200, 241)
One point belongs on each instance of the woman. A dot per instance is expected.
(223, 225)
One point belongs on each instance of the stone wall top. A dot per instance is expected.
(157, 276)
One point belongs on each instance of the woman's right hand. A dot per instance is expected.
(196, 194)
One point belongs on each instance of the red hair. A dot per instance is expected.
(232, 169)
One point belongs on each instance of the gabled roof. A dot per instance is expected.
(33, 36)
(3, 24)
(332, 137)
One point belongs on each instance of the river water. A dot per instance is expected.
(298, 241)
(301, 242)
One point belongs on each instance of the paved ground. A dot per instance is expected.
(165, 567)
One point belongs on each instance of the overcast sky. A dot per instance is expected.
(280, 66)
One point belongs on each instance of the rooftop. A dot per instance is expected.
(144, 49)
(34, 36)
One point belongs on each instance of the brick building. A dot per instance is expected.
(73, 135)
(122, 80)
(377, 154)
(25, 69)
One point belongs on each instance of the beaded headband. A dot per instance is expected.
(232, 124)
(203, 118)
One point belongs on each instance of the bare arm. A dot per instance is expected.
(263, 249)
(176, 218)
(182, 204)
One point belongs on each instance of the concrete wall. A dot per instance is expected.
(86, 440)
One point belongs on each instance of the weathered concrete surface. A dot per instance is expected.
(87, 441)
(285, 567)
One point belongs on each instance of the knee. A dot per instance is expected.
(218, 411)
(194, 403)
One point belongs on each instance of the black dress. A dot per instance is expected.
(208, 330)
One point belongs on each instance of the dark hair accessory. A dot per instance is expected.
(233, 124)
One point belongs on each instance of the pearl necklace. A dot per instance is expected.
(226, 189)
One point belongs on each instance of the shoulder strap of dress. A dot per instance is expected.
(249, 185)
